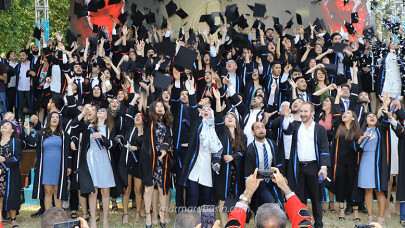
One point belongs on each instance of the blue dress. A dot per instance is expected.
(367, 163)
(99, 163)
(52, 157)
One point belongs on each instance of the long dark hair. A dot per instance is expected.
(167, 118)
(326, 80)
(237, 142)
(48, 131)
(352, 133)
(14, 135)
(332, 101)
(109, 121)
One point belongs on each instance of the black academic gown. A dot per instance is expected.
(223, 181)
(66, 163)
(401, 157)
(321, 150)
(12, 199)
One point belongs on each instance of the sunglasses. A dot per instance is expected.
(102, 110)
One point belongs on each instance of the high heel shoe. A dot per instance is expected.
(332, 208)
(356, 211)
(146, 220)
(114, 205)
(126, 223)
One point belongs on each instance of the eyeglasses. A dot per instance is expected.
(101, 110)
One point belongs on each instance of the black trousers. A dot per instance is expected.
(180, 188)
(309, 186)
(74, 200)
(11, 98)
(23, 100)
(344, 183)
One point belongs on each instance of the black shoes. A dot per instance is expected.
(349, 210)
(38, 213)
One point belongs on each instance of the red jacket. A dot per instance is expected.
(297, 213)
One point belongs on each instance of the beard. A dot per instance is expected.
(78, 74)
(261, 137)
(35, 52)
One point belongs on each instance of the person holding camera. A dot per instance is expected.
(262, 153)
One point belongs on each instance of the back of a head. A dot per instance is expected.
(187, 219)
(270, 214)
(52, 216)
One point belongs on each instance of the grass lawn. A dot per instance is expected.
(330, 219)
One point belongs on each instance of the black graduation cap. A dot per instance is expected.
(95, 5)
(355, 17)
(142, 33)
(243, 22)
(95, 28)
(307, 33)
(161, 81)
(93, 42)
(330, 68)
(276, 20)
(204, 18)
(133, 7)
(150, 18)
(251, 7)
(279, 28)
(112, 2)
(289, 23)
(222, 18)
(257, 24)
(181, 13)
(345, 2)
(171, 8)
(369, 33)
(166, 48)
(123, 17)
(299, 19)
(164, 24)
(80, 10)
(70, 37)
(232, 14)
(243, 41)
(137, 18)
(185, 58)
(37, 33)
(191, 36)
(209, 19)
(259, 10)
(128, 67)
(318, 24)
(338, 47)
(350, 29)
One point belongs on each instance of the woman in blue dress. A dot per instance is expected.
(53, 162)
(374, 170)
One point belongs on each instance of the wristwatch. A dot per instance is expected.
(244, 198)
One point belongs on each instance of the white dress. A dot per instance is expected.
(99, 164)
(392, 83)
(394, 153)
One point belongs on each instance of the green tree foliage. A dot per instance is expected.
(17, 23)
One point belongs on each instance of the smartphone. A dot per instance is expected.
(207, 216)
(265, 174)
(68, 224)
(216, 168)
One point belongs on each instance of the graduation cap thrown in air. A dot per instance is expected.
(123, 17)
(80, 10)
(161, 81)
(133, 7)
(95, 5)
(299, 19)
(70, 37)
(181, 13)
(243, 22)
(164, 23)
(37, 33)
(171, 8)
(276, 20)
(150, 17)
(232, 14)
(350, 29)
(289, 23)
(257, 24)
(330, 68)
(137, 18)
(369, 33)
(259, 10)
(185, 58)
(338, 47)
(166, 48)
(355, 17)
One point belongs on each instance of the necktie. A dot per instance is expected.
(301, 95)
(346, 105)
(79, 89)
(266, 160)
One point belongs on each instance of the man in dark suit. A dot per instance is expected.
(309, 157)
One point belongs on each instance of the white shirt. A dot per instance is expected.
(248, 127)
(94, 82)
(13, 78)
(260, 153)
(24, 82)
(232, 79)
(304, 96)
(55, 80)
(202, 171)
(306, 143)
